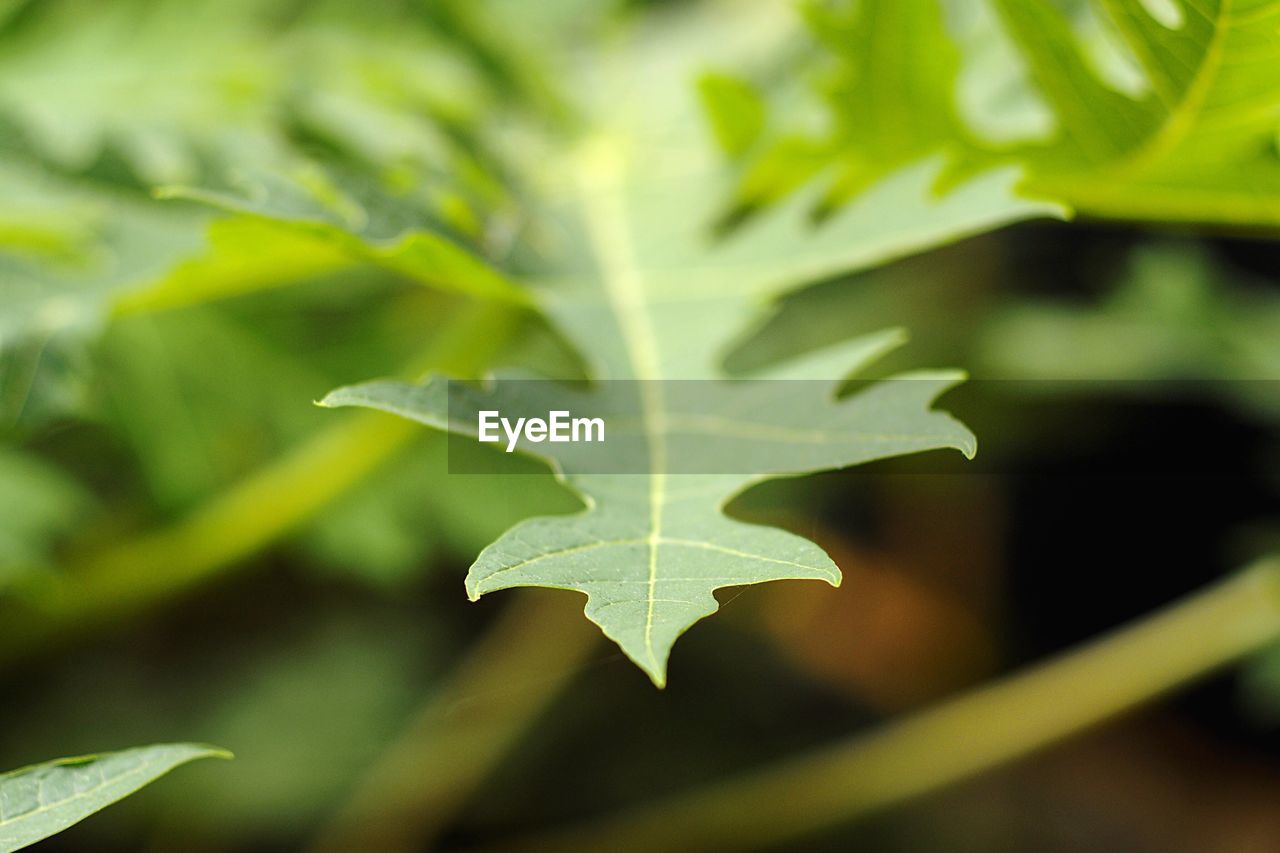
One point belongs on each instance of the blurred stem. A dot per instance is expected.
(462, 732)
(154, 567)
(979, 730)
(233, 525)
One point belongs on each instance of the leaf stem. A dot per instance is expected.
(132, 575)
(466, 727)
(236, 524)
(255, 512)
(977, 731)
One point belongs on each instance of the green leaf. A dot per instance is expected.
(397, 102)
(1164, 112)
(893, 94)
(245, 255)
(75, 253)
(323, 218)
(376, 83)
(44, 799)
(621, 256)
(638, 284)
(1177, 320)
(651, 548)
(1199, 145)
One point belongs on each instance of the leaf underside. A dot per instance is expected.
(646, 296)
(618, 253)
(44, 799)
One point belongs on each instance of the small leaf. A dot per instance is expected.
(44, 799)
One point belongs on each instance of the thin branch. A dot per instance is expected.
(960, 738)
(230, 527)
(466, 727)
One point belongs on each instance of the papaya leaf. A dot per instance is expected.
(620, 255)
(376, 83)
(1162, 112)
(389, 96)
(68, 255)
(326, 220)
(1200, 145)
(44, 799)
(646, 295)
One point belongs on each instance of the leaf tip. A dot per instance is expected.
(197, 751)
(657, 676)
(335, 399)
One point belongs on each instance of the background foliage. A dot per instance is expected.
(215, 213)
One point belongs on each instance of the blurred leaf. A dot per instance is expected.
(76, 251)
(195, 86)
(735, 109)
(1174, 119)
(98, 102)
(364, 223)
(92, 247)
(1199, 146)
(888, 94)
(38, 505)
(346, 680)
(891, 109)
(244, 255)
(45, 799)
(148, 78)
(1175, 317)
(201, 400)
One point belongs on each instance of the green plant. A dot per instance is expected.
(1116, 108)
(310, 197)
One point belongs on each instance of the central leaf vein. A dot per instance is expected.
(607, 222)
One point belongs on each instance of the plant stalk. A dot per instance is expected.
(466, 727)
(232, 526)
(979, 730)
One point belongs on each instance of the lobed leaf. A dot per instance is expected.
(1164, 112)
(640, 287)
